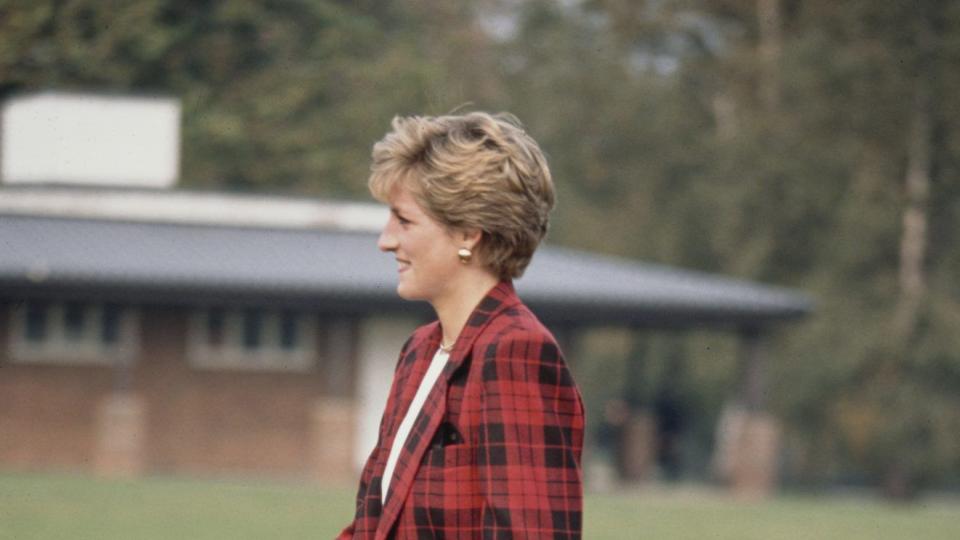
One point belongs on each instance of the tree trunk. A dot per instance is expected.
(900, 477)
(724, 109)
(770, 49)
(913, 239)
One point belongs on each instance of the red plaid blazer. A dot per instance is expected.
(495, 452)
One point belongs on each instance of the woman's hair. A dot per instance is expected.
(473, 171)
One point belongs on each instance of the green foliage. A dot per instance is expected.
(280, 96)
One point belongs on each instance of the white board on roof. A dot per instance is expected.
(90, 139)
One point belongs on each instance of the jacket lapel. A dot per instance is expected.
(435, 407)
(406, 386)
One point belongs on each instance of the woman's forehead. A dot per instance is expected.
(401, 198)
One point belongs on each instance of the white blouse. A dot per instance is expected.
(429, 380)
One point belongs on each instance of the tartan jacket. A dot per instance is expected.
(495, 451)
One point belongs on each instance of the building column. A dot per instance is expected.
(121, 430)
(638, 447)
(340, 366)
(333, 416)
(121, 426)
(333, 426)
(748, 436)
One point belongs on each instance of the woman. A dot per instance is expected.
(483, 427)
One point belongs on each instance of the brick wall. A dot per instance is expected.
(208, 422)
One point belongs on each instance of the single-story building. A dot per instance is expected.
(158, 330)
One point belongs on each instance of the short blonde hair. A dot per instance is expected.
(475, 171)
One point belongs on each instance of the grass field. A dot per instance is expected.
(82, 508)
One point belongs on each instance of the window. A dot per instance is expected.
(72, 333)
(288, 331)
(74, 321)
(252, 328)
(252, 339)
(110, 324)
(36, 322)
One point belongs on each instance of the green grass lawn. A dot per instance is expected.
(79, 508)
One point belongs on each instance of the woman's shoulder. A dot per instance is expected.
(423, 333)
(516, 324)
(517, 347)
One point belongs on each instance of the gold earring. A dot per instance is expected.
(464, 254)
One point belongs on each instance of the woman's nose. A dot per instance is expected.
(387, 241)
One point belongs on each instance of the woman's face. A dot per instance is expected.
(425, 251)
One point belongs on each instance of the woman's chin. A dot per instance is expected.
(407, 292)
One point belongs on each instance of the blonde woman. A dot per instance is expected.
(483, 427)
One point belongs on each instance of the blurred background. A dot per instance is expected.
(811, 145)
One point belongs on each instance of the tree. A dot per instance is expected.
(277, 95)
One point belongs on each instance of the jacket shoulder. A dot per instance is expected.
(423, 332)
(516, 321)
(415, 343)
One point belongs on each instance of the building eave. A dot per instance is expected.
(191, 263)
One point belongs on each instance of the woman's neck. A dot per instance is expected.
(455, 308)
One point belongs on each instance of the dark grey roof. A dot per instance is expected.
(178, 263)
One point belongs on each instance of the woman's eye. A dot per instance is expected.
(403, 221)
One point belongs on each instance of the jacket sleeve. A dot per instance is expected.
(346, 533)
(530, 441)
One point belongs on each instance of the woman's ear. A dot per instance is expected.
(471, 238)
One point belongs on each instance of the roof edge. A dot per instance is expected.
(187, 207)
